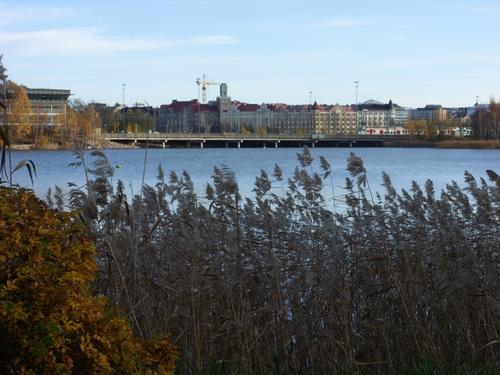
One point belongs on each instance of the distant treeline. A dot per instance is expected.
(304, 277)
(486, 122)
(76, 123)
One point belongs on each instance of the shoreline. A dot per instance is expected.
(104, 145)
(470, 144)
(448, 144)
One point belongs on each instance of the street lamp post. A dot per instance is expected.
(356, 84)
(147, 113)
(123, 103)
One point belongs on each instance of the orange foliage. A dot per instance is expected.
(20, 111)
(50, 323)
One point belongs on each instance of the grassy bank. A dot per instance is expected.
(448, 143)
(72, 146)
(478, 144)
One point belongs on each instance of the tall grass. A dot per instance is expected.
(298, 281)
(470, 143)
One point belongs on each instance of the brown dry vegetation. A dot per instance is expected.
(469, 143)
(298, 280)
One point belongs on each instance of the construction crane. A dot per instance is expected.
(203, 83)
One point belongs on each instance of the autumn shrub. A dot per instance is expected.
(50, 322)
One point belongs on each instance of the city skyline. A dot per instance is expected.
(435, 52)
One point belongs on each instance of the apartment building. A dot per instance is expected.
(227, 115)
(431, 112)
(378, 118)
(188, 117)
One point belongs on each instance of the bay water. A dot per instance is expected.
(402, 164)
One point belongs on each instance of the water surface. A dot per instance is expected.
(402, 164)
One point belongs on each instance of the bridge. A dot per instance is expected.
(236, 140)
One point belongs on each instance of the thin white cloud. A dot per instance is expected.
(77, 41)
(21, 13)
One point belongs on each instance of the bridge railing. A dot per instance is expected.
(228, 136)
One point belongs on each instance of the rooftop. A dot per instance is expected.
(48, 94)
(193, 105)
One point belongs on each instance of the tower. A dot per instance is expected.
(223, 100)
(223, 104)
(223, 90)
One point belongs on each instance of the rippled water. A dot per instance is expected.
(402, 164)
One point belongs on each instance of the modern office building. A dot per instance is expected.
(46, 105)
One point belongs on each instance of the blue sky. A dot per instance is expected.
(413, 52)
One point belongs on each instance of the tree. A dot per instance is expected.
(4, 129)
(415, 127)
(3, 91)
(302, 132)
(246, 130)
(84, 118)
(495, 118)
(20, 110)
(108, 118)
(59, 127)
(431, 128)
(262, 131)
(485, 122)
(40, 128)
(71, 124)
(50, 322)
(140, 120)
(87, 119)
(130, 127)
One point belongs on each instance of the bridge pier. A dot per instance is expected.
(275, 144)
(239, 144)
(201, 144)
(163, 144)
(313, 144)
(264, 145)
